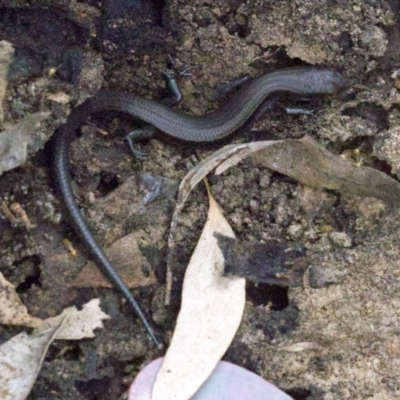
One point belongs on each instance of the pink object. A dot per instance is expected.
(228, 381)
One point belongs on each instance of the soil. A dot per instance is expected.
(338, 341)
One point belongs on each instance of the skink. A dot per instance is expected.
(192, 128)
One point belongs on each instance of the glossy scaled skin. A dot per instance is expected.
(227, 119)
(205, 128)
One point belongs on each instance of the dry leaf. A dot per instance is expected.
(22, 356)
(79, 324)
(14, 141)
(211, 311)
(13, 311)
(301, 159)
(129, 262)
(304, 160)
(20, 361)
(203, 168)
(188, 183)
(311, 164)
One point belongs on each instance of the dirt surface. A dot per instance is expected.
(340, 341)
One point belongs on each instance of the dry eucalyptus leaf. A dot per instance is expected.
(22, 356)
(14, 141)
(21, 359)
(311, 164)
(12, 310)
(211, 311)
(204, 167)
(131, 265)
(188, 183)
(301, 159)
(78, 324)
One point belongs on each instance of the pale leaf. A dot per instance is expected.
(188, 183)
(79, 324)
(211, 311)
(14, 141)
(12, 310)
(21, 359)
(22, 356)
(304, 160)
(311, 164)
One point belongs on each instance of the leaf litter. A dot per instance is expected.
(13, 311)
(133, 268)
(195, 350)
(302, 159)
(210, 314)
(212, 303)
(21, 357)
